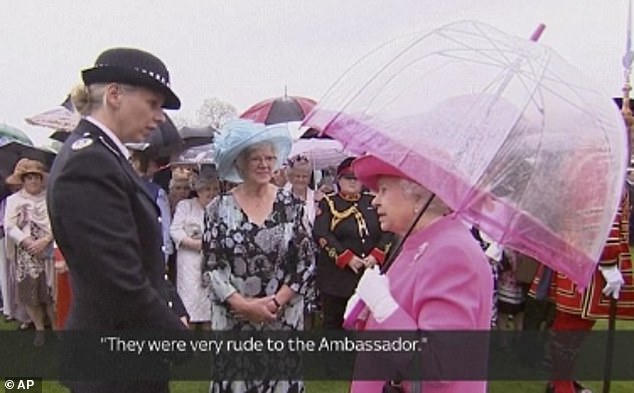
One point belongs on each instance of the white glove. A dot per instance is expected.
(494, 252)
(374, 290)
(614, 280)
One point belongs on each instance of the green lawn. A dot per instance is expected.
(342, 386)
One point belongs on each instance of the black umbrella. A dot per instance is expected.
(60, 135)
(12, 152)
(197, 136)
(164, 140)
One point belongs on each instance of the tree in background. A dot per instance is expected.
(215, 112)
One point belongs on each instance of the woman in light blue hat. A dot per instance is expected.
(257, 249)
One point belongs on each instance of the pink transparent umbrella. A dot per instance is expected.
(507, 133)
(322, 153)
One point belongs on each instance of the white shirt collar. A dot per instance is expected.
(124, 150)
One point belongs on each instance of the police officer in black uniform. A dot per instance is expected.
(350, 240)
(104, 220)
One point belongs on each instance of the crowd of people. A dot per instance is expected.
(251, 243)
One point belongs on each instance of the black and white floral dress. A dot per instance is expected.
(255, 261)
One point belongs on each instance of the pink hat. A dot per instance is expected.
(368, 169)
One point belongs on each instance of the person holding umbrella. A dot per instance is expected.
(441, 280)
(458, 109)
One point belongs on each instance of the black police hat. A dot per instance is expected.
(134, 67)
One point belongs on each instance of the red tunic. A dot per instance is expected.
(591, 304)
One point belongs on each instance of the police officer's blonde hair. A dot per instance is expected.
(88, 98)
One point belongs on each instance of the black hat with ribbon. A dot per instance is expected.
(345, 167)
(134, 67)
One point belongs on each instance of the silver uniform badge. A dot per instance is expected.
(81, 143)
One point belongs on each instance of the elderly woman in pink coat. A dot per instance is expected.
(440, 281)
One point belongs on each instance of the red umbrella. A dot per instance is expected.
(280, 109)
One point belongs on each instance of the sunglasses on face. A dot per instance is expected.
(349, 177)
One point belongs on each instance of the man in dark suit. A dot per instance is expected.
(104, 220)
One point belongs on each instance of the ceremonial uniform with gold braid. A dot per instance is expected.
(591, 304)
(578, 311)
(345, 226)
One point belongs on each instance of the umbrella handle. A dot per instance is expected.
(350, 322)
(397, 248)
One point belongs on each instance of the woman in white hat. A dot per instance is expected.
(257, 249)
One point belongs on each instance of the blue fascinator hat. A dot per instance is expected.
(240, 134)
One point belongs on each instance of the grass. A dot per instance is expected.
(342, 386)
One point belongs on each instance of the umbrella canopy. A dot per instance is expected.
(512, 137)
(323, 153)
(60, 136)
(165, 140)
(162, 142)
(196, 136)
(12, 152)
(58, 118)
(198, 155)
(9, 133)
(280, 110)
